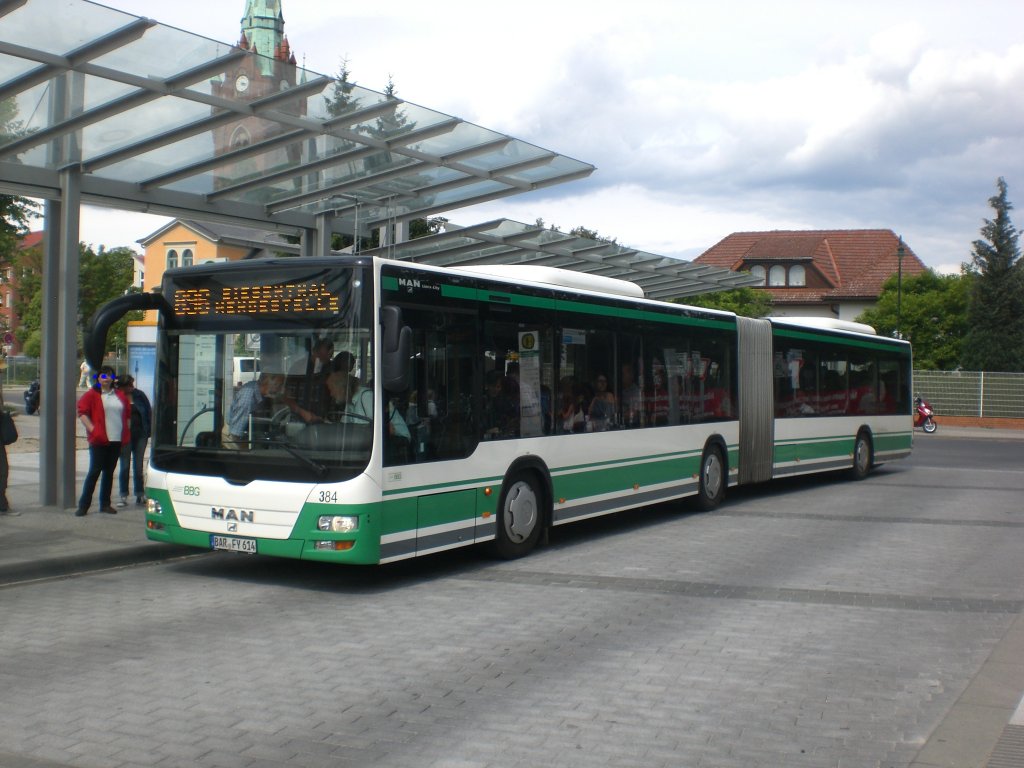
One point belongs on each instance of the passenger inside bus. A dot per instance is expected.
(570, 406)
(351, 402)
(501, 411)
(254, 399)
(631, 399)
(306, 387)
(658, 398)
(601, 411)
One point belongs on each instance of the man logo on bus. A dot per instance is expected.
(528, 341)
(238, 515)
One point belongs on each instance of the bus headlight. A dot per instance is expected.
(338, 523)
(153, 507)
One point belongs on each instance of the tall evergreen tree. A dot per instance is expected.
(341, 95)
(995, 336)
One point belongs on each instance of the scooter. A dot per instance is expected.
(31, 396)
(924, 416)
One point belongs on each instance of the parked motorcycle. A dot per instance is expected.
(31, 396)
(924, 416)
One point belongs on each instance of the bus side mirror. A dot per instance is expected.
(396, 343)
(95, 336)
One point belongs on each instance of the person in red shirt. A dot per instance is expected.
(103, 411)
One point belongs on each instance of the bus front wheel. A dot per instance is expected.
(520, 517)
(711, 486)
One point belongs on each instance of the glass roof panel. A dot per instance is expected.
(512, 242)
(163, 120)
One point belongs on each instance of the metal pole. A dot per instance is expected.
(899, 290)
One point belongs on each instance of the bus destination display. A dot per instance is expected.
(277, 300)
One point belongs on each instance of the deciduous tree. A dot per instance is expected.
(932, 316)
(746, 301)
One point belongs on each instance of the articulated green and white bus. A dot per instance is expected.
(398, 409)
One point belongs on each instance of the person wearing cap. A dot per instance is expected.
(133, 448)
(103, 411)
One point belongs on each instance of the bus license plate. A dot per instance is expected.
(233, 544)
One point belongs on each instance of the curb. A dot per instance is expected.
(59, 567)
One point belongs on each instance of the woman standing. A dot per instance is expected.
(103, 411)
(133, 448)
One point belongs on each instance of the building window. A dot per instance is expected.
(172, 259)
(758, 272)
(797, 276)
(186, 257)
(777, 276)
(240, 138)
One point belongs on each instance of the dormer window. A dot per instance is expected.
(780, 275)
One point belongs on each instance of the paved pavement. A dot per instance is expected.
(46, 543)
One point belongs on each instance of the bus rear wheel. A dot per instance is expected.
(711, 486)
(862, 458)
(520, 517)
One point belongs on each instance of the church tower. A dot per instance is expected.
(272, 68)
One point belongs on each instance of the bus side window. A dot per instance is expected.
(438, 404)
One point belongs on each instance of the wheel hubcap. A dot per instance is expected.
(712, 475)
(862, 455)
(520, 512)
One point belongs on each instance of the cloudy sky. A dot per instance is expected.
(702, 118)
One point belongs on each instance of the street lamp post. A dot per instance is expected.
(899, 289)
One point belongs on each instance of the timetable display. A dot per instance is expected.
(306, 299)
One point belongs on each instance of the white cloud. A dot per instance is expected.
(704, 119)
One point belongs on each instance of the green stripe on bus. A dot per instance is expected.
(818, 448)
(844, 341)
(629, 313)
(605, 480)
(452, 485)
(486, 295)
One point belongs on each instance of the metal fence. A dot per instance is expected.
(972, 393)
(21, 370)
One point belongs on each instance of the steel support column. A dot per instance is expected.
(307, 244)
(68, 370)
(49, 408)
(323, 233)
(59, 371)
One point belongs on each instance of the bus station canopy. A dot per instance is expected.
(140, 114)
(150, 117)
(510, 242)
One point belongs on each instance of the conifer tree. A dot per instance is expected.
(995, 336)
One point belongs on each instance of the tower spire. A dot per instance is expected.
(263, 27)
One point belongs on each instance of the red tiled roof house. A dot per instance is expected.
(834, 273)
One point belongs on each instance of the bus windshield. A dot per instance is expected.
(249, 393)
